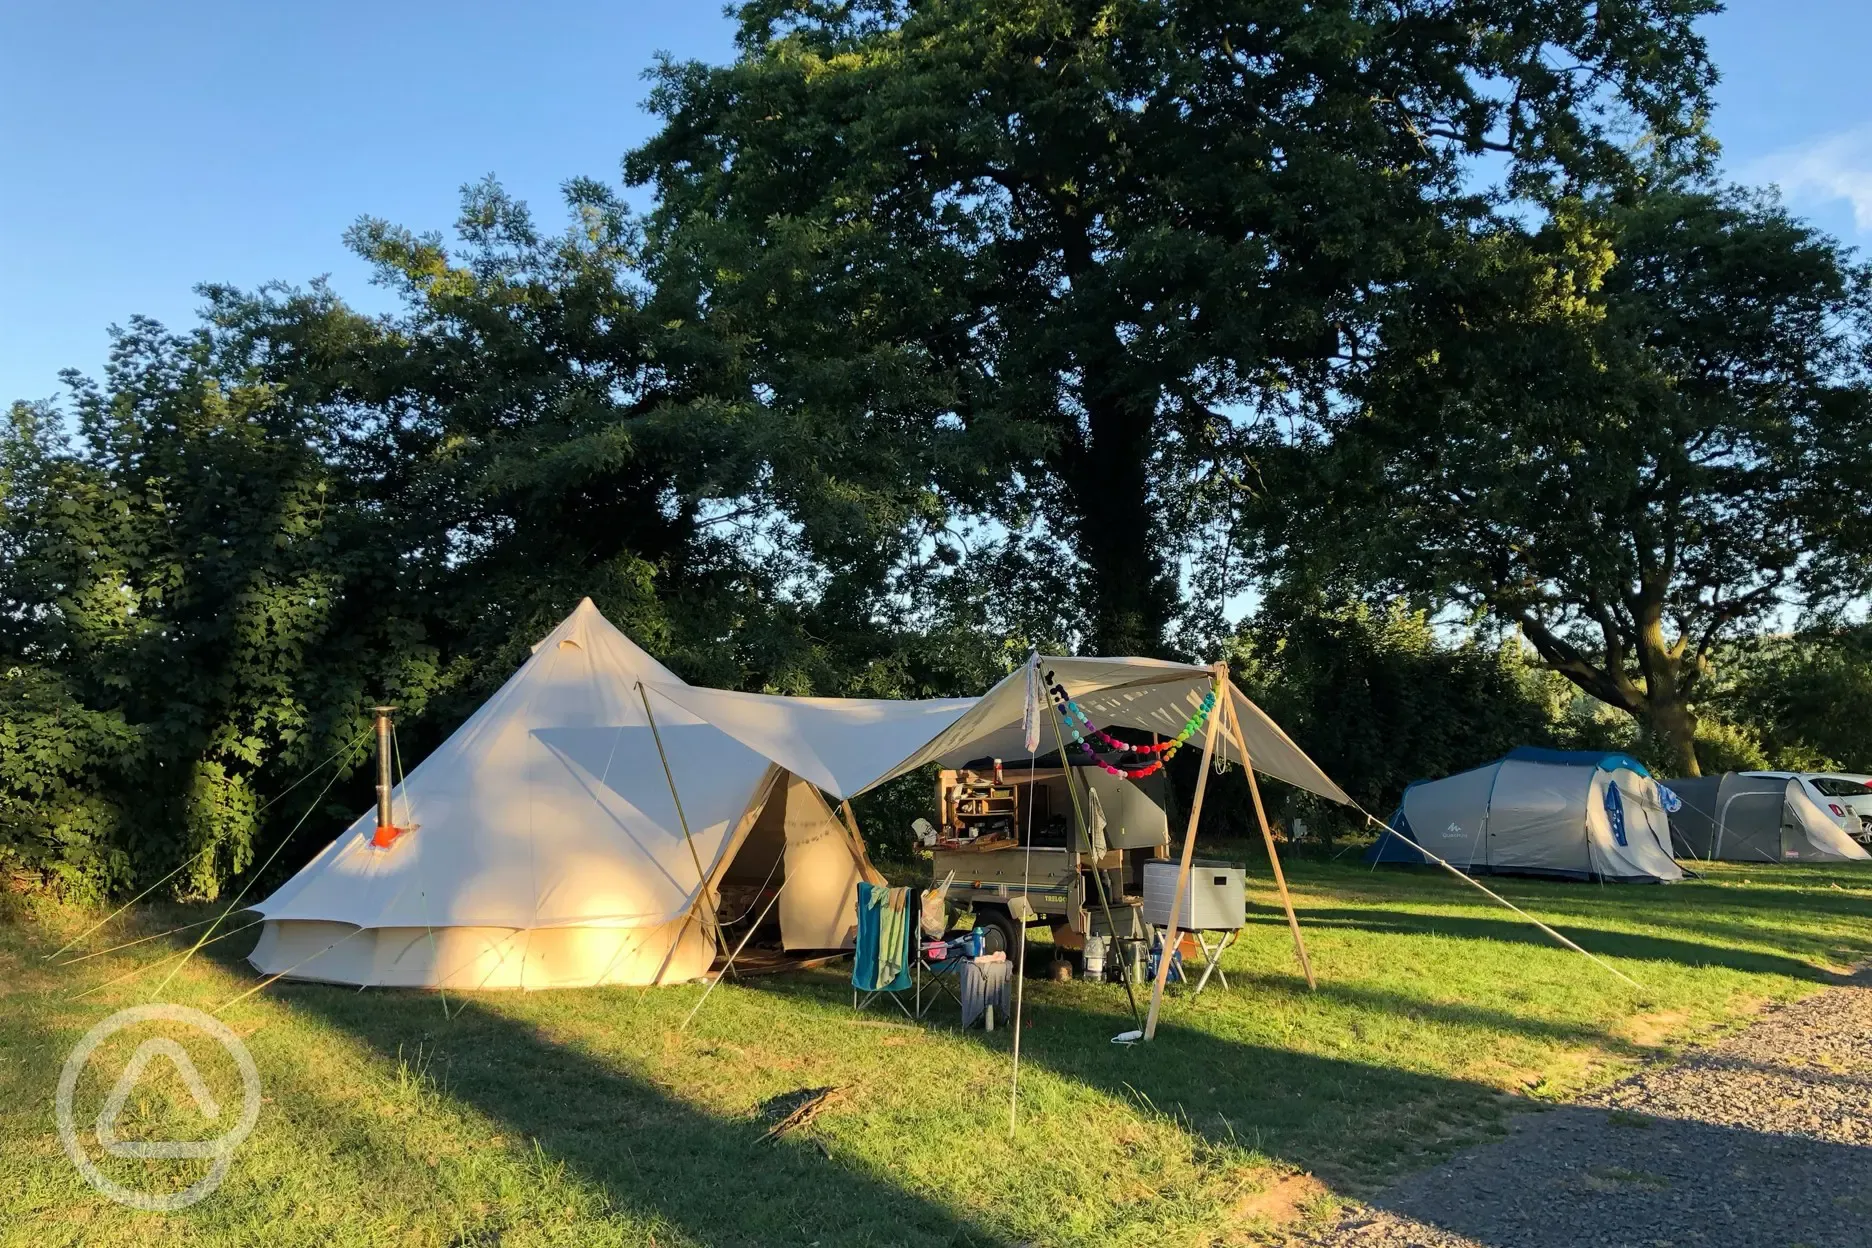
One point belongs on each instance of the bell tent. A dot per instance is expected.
(543, 845)
(1747, 818)
(1571, 814)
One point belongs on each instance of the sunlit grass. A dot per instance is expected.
(583, 1117)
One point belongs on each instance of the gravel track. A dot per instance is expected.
(1763, 1140)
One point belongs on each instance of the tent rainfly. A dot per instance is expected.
(1572, 814)
(549, 850)
(1743, 818)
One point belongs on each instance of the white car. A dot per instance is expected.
(1852, 790)
(1845, 796)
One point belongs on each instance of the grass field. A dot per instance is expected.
(583, 1117)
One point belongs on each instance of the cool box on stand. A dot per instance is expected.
(1216, 901)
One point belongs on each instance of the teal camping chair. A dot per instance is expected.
(878, 967)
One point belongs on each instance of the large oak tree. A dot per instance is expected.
(1042, 257)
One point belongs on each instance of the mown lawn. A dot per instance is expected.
(583, 1117)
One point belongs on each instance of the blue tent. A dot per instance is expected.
(1395, 848)
(1580, 814)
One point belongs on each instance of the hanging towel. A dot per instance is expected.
(893, 935)
(1095, 815)
(881, 959)
(983, 983)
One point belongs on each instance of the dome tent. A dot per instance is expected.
(1737, 817)
(1570, 814)
(547, 849)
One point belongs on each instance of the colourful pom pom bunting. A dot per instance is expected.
(1076, 718)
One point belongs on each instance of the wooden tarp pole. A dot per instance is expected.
(1267, 836)
(871, 874)
(701, 897)
(1189, 852)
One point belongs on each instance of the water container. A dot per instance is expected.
(1131, 956)
(1092, 961)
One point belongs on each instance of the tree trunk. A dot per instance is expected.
(1666, 700)
(1107, 477)
(1675, 724)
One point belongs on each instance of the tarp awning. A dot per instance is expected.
(849, 745)
(843, 745)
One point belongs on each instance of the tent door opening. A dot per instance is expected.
(796, 849)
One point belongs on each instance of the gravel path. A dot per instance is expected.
(1762, 1141)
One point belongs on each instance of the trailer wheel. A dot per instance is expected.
(1000, 933)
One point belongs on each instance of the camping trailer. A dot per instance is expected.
(986, 810)
(1737, 817)
(1565, 813)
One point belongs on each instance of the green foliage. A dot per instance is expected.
(58, 762)
(1732, 747)
(1041, 260)
(1806, 696)
(573, 429)
(183, 614)
(1635, 433)
(1379, 700)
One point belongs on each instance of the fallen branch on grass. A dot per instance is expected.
(803, 1112)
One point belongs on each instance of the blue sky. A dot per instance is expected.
(145, 148)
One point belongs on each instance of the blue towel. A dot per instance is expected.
(866, 959)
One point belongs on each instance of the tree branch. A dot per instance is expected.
(1563, 657)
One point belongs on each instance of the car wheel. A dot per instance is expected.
(998, 929)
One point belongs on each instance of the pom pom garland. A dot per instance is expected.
(1076, 718)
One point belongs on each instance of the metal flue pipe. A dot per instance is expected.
(386, 821)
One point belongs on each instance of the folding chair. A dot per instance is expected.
(1212, 959)
(942, 975)
(866, 959)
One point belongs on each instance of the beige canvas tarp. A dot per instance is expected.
(847, 746)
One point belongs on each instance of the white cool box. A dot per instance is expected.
(1215, 902)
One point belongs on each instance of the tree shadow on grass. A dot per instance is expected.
(649, 1151)
(1353, 1123)
(666, 1161)
(1637, 945)
(1275, 985)
(1813, 888)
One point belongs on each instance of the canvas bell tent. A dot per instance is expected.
(544, 848)
(1580, 815)
(1742, 818)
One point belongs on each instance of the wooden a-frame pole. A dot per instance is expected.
(1267, 836)
(859, 853)
(1189, 852)
(702, 886)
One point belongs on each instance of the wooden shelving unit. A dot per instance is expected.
(981, 805)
